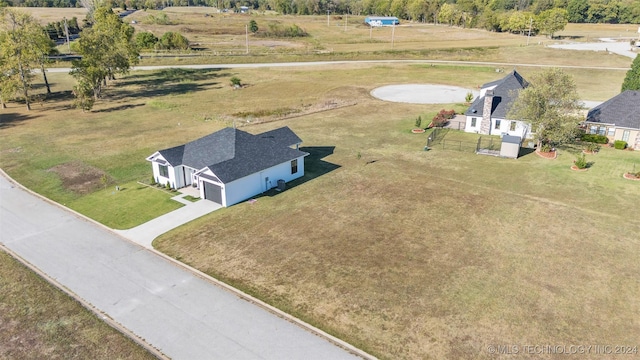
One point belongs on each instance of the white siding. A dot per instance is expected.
(468, 125)
(254, 184)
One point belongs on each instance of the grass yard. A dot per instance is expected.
(408, 254)
(37, 321)
(417, 255)
(132, 205)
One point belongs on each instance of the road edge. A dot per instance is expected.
(281, 314)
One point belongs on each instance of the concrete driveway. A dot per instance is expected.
(181, 313)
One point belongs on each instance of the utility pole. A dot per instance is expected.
(530, 23)
(346, 21)
(246, 34)
(393, 32)
(327, 17)
(66, 31)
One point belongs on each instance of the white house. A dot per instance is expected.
(487, 115)
(231, 165)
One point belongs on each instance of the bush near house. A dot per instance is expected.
(581, 162)
(620, 145)
(595, 138)
(443, 117)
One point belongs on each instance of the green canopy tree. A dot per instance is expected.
(23, 45)
(551, 21)
(632, 79)
(107, 48)
(550, 104)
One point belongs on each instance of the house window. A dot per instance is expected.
(497, 127)
(625, 135)
(164, 171)
(473, 122)
(612, 131)
(593, 129)
(294, 166)
(601, 130)
(512, 126)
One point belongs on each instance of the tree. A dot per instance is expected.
(107, 48)
(632, 79)
(173, 40)
(550, 104)
(24, 43)
(551, 21)
(253, 26)
(577, 11)
(145, 40)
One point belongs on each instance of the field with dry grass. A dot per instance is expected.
(404, 253)
(37, 321)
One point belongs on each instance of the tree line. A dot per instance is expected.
(486, 14)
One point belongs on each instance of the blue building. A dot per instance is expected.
(382, 20)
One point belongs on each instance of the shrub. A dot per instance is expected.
(620, 145)
(168, 186)
(469, 97)
(418, 121)
(595, 138)
(159, 19)
(235, 81)
(277, 30)
(146, 40)
(592, 147)
(443, 117)
(153, 180)
(173, 40)
(546, 147)
(581, 162)
(253, 26)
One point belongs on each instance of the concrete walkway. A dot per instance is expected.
(182, 313)
(145, 234)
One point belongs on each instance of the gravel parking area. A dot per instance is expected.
(423, 93)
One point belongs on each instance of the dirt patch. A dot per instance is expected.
(280, 114)
(631, 176)
(80, 177)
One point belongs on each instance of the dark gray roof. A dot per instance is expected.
(621, 110)
(283, 136)
(510, 139)
(505, 92)
(232, 154)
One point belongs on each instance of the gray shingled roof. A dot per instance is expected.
(622, 110)
(232, 154)
(505, 92)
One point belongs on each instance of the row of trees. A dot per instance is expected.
(106, 48)
(472, 13)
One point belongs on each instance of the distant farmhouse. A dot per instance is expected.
(231, 165)
(487, 115)
(617, 118)
(381, 21)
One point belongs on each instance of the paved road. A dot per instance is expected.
(617, 47)
(181, 314)
(347, 62)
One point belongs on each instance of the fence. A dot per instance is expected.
(436, 136)
(488, 146)
(458, 145)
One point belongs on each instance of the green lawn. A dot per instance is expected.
(132, 205)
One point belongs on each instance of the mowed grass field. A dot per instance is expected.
(37, 321)
(404, 253)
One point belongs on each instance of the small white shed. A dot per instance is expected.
(510, 146)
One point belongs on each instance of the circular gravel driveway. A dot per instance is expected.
(423, 93)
